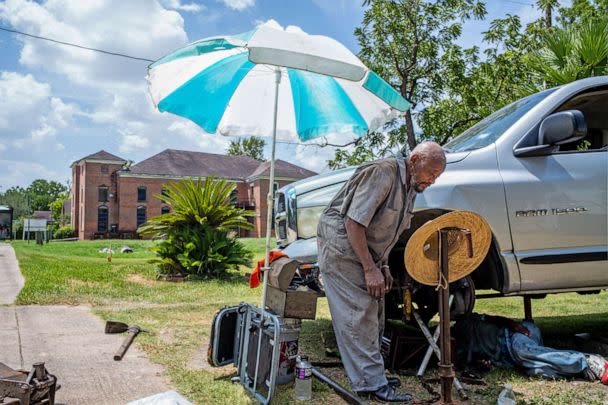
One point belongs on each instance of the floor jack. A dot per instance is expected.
(36, 387)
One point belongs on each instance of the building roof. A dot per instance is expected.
(281, 169)
(179, 163)
(101, 155)
(42, 214)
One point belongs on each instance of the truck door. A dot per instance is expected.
(557, 205)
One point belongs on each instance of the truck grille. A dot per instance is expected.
(280, 217)
(280, 202)
(282, 230)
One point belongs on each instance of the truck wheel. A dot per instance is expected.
(463, 290)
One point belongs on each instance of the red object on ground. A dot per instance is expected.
(254, 278)
(604, 378)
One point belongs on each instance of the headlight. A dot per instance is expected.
(308, 218)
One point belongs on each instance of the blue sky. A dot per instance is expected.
(59, 104)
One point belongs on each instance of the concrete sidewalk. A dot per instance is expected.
(72, 343)
(11, 280)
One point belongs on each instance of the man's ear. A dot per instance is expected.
(414, 158)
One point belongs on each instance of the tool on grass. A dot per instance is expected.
(120, 327)
(346, 395)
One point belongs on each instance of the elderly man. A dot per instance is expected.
(356, 232)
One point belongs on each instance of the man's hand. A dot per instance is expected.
(388, 278)
(374, 281)
(520, 328)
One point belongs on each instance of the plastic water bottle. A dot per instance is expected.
(507, 397)
(303, 384)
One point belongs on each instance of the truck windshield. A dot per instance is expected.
(489, 129)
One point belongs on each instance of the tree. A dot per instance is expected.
(474, 88)
(57, 210)
(195, 237)
(252, 147)
(42, 192)
(16, 198)
(573, 52)
(547, 6)
(403, 40)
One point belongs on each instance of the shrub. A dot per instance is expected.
(194, 238)
(64, 232)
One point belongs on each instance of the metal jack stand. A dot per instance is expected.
(446, 368)
(433, 348)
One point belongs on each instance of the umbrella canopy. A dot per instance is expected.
(226, 85)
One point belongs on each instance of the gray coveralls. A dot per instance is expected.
(377, 197)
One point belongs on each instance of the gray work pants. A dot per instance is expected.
(358, 318)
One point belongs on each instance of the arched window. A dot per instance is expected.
(102, 218)
(164, 210)
(102, 193)
(141, 193)
(141, 215)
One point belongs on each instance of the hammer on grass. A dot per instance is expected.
(120, 327)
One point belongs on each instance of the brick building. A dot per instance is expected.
(110, 199)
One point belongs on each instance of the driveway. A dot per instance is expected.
(71, 342)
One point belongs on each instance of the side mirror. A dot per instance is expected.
(562, 127)
(556, 129)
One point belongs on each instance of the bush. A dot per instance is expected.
(194, 238)
(64, 232)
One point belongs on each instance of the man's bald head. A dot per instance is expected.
(425, 164)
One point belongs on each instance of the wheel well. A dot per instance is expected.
(489, 274)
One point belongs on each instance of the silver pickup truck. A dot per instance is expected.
(536, 170)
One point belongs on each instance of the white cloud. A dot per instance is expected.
(30, 121)
(20, 95)
(139, 28)
(22, 172)
(239, 5)
(177, 5)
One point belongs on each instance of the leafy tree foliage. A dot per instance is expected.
(252, 147)
(42, 193)
(572, 53)
(57, 210)
(412, 44)
(195, 237)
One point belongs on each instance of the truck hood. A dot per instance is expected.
(342, 175)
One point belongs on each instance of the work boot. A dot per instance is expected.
(599, 366)
(386, 393)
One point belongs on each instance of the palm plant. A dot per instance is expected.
(195, 237)
(570, 54)
(197, 202)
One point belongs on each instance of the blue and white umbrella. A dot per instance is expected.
(226, 85)
(273, 82)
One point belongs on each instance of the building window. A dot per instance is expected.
(164, 192)
(234, 197)
(102, 194)
(141, 193)
(102, 219)
(141, 215)
(164, 210)
(104, 168)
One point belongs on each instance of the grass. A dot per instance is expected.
(180, 316)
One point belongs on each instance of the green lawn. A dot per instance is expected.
(180, 315)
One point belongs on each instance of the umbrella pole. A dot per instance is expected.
(269, 219)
